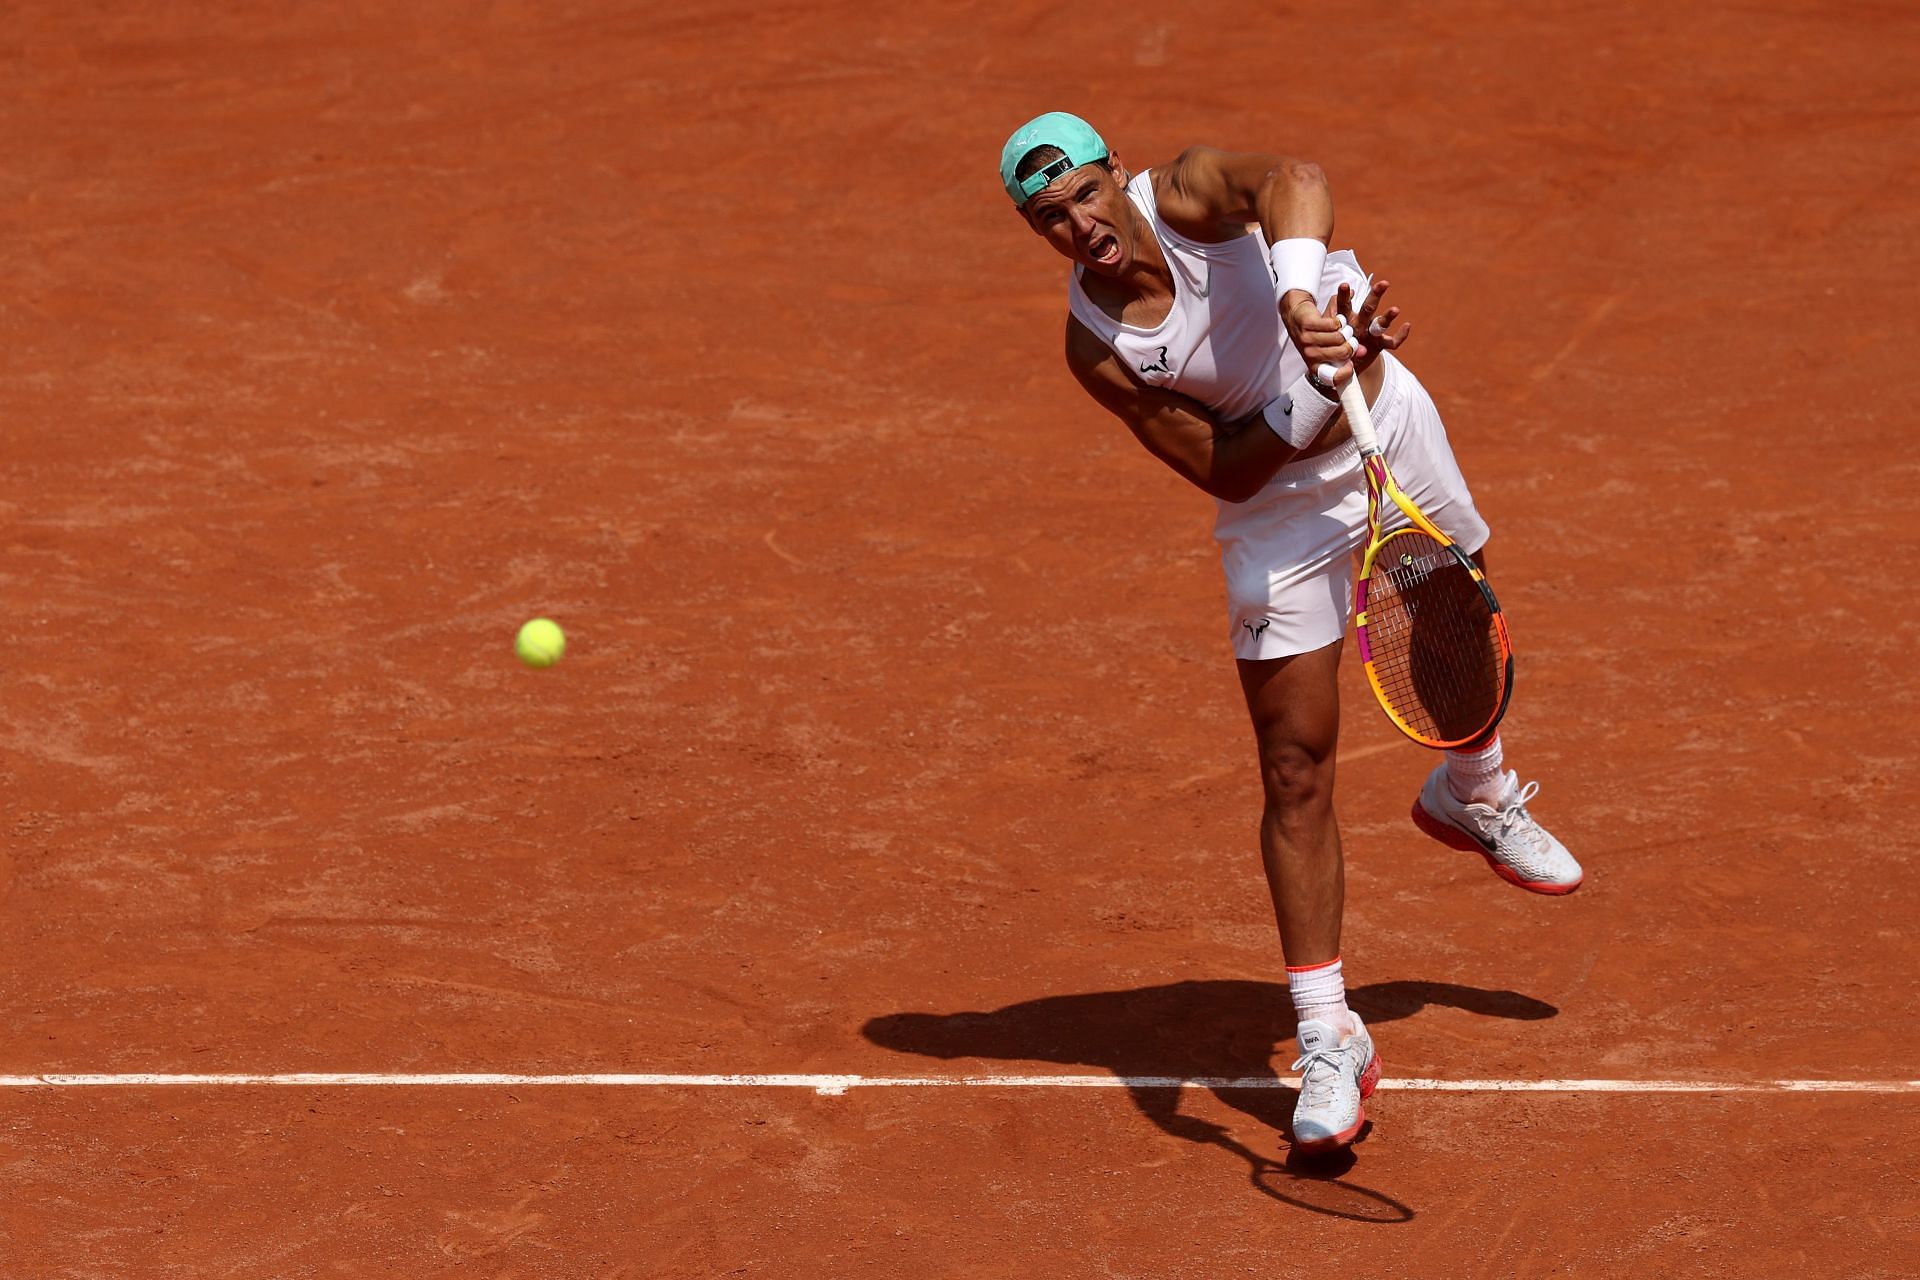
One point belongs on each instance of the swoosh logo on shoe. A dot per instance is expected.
(1468, 832)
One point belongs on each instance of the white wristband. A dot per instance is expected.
(1299, 414)
(1297, 264)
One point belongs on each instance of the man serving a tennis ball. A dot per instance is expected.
(1201, 294)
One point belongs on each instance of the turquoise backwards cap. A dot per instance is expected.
(1054, 129)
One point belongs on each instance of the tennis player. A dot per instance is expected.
(1202, 293)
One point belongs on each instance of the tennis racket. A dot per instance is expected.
(1432, 638)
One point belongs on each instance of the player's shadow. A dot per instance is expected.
(1195, 1031)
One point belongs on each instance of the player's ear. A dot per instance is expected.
(1118, 169)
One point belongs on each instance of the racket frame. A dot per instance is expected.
(1380, 482)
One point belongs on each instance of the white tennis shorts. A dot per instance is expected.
(1289, 552)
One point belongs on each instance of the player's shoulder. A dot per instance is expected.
(1195, 165)
(1193, 190)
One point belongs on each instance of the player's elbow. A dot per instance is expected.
(1303, 174)
(1301, 186)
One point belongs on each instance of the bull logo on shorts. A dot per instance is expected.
(1256, 631)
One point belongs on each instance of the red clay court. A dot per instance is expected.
(898, 737)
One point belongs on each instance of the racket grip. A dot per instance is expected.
(1359, 417)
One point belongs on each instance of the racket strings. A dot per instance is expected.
(1436, 649)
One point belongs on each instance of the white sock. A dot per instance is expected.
(1319, 991)
(1475, 777)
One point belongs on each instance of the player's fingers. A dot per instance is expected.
(1380, 324)
(1372, 303)
(1392, 341)
(1321, 330)
(1333, 376)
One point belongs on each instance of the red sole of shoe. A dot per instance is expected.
(1369, 1081)
(1320, 1146)
(1460, 840)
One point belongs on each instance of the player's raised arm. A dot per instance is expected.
(1210, 191)
(1228, 460)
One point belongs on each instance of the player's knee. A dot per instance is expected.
(1293, 775)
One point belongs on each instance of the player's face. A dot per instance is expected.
(1084, 214)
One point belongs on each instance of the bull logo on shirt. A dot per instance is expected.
(1158, 366)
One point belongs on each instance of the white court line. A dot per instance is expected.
(834, 1085)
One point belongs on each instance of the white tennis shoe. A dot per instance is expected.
(1336, 1076)
(1519, 850)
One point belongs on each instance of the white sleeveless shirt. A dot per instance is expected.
(1222, 342)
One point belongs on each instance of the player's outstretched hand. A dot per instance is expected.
(1372, 328)
(1317, 334)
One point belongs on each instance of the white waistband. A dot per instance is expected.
(1338, 460)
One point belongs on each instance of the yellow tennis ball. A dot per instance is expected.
(540, 643)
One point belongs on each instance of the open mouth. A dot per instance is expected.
(1104, 250)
